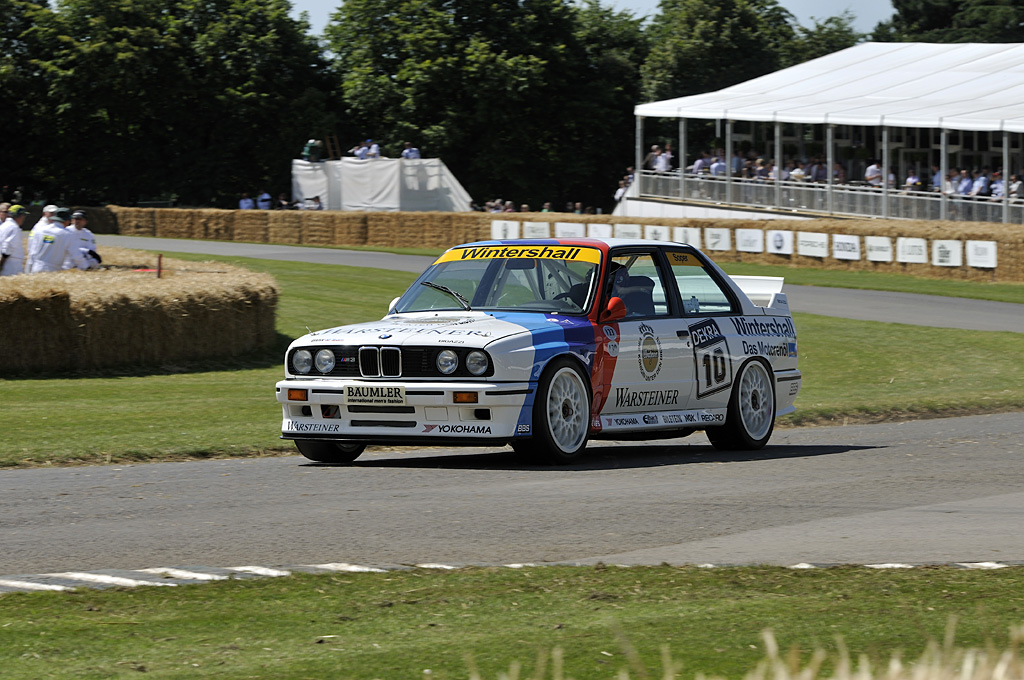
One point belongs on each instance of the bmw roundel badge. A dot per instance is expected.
(384, 336)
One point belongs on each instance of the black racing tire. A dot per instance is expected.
(561, 415)
(750, 420)
(330, 453)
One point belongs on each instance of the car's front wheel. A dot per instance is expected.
(561, 414)
(751, 416)
(330, 453)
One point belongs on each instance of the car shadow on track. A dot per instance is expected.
(598, 457)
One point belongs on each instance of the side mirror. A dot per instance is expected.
(391, 307)
(615, 310)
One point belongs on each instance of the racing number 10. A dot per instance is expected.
(714, 371)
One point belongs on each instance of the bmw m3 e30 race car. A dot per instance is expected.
(546, 344)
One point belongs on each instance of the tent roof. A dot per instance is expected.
(969, 86)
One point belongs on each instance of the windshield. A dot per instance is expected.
(554, 279)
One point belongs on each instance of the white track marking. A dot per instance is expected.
(183, 574)
(105, 579)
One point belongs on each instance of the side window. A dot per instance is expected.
(637, 279)
(700, 293)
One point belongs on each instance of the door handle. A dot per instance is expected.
(683, 334)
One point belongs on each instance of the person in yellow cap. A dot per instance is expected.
(12, 241)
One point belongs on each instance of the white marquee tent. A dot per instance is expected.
(967, 86)
(385, 184)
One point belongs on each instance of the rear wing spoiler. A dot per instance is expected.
(763, 291)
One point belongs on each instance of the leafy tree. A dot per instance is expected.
(824, 37)
(510, 93)
(705, 45)
(953, 21)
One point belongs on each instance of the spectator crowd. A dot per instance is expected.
(59, 240)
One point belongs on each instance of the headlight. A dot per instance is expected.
(302, 361)
(477, 363)
(325, 361)
(447, 361)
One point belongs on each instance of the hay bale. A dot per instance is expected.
(284, 226)
(217, 225)
(251, 226)
(316, 227)
(196, 311)
(350, 228)
(176, 223)
(134, 221)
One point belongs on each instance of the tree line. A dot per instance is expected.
(199, 100)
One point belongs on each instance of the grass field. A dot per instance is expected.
(430, 624)
(853, 370)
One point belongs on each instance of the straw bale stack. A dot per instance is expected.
(216, 225)
(284, 226)
(251, 225)
(349, 228)
(317, 227)
(120, 316)
(408, 229)
(134, 221)
(178, 223)
(467, 227)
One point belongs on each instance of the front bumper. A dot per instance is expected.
(403, 412)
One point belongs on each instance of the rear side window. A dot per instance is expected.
(698, 290)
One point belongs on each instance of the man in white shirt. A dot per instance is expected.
(12, 246)
(55, 245)
(86, 243)
(873, 175)
(33, 236)
(410, 151)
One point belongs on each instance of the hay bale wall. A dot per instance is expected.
(437, 230)
(121, 317)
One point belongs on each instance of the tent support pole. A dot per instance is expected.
(682, 159)
(638, 156)
(1006, 176)
(830, 162)
(778, 170)
(944, 171)
(728, 162)
(885, 171)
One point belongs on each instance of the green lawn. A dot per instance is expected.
(597, 621)
(852, 369)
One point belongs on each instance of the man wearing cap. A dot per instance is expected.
(33, 236)
(56, 244)
(373, 150)
(12, 245)
(86, 243)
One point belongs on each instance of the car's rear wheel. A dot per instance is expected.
(330, 453)
(751, 416)
(561, 415)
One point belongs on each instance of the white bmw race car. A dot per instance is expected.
(545, 344)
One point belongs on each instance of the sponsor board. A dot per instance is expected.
(689, 235)
(946, 253)
(293, 426)
(911, 250)
(750, 240)
(711, 358)
(981, 254)
(536, 230)
(878, 248)
(504, 229)
(654, 232)
(599, 230)
(445, 428)
(377, 395)
(628, 231)
(649, 353)
(779, 242)
(570, 230)
(570, 253)
(718, 239)
(845, 247)
(811, 244)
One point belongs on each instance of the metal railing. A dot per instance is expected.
(857, 200)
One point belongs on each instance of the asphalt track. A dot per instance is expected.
(865, 305)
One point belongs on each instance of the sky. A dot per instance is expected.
(867, 12)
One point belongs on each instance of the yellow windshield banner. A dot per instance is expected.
(569, 253)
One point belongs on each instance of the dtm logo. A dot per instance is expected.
(458, 429)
